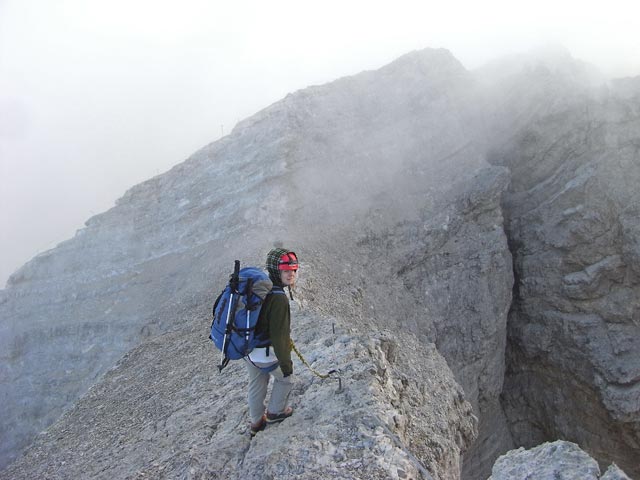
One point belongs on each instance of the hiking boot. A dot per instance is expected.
(258, 427)
(278, 417)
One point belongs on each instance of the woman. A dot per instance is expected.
(273, 360)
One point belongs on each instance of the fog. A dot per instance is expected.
(98, 96)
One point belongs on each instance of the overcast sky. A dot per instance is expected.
(96, 96)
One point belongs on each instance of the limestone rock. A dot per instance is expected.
(165, 412)
(614, 473)
(572, 214)
(493, 214)
(335, 171)
(551, 461)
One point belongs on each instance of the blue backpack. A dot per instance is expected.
(236, 312)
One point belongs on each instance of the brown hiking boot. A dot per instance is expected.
(278, 417)
(258, 427)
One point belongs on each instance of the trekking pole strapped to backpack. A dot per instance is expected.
(249, 292)
(233, 284)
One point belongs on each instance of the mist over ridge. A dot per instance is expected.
(543, 53)
(425, 180)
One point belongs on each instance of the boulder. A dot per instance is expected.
(558, 460)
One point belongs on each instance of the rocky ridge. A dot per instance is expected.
(389, 415)
(382, 180)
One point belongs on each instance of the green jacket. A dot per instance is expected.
(275, 322)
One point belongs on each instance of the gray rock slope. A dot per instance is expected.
(405, 191)
(394, 414)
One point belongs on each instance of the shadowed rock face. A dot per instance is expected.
(381, 183)
(572, 218)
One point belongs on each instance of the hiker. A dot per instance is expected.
(274, 360)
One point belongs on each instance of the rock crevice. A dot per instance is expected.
(573, 330)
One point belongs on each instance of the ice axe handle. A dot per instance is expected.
(235, 278)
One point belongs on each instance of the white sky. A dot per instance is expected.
(96, 95)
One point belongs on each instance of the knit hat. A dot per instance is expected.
(280, 259)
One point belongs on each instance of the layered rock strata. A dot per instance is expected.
(573, 212)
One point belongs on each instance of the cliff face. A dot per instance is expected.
(572, 218)
(413, 195)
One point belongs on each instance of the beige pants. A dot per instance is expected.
(258, 383)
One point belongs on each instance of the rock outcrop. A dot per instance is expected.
(491, 214)
(552, 461)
